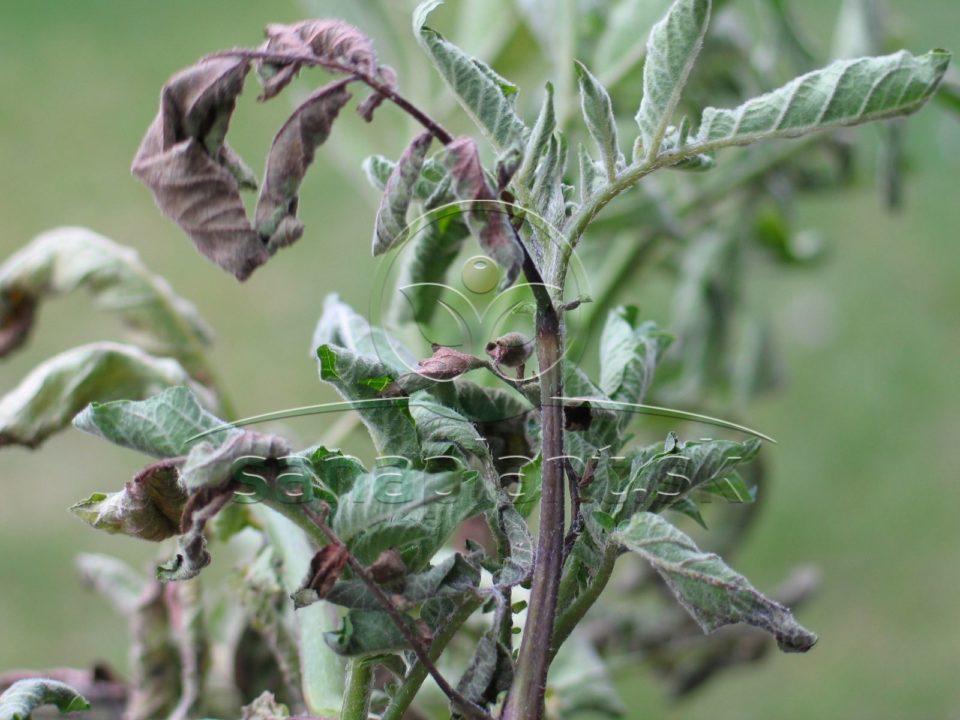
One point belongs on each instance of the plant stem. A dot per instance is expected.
(356, 697)
(408, 690)
(572, 616)
(525, 700)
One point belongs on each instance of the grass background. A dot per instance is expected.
(865, 475)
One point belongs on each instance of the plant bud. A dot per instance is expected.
(447, 363)
(510, 350)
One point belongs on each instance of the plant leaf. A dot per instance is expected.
(290, 156)
(213, 465)
(489, 673)
(485, 218)
(484, 95)
(409, 510)
(63, 260)
(149, 507)
(47, 399)
(367, 632)
(341, 47)
(518, 566)
(443, 431)
(846, 92)
(391, 218)
(598, 114)
(23, 697)
(624, 40)
(192, 555)
(706, 587)
(192, 173)
(629, 353)
(160, 426)
(539, 139)
(672, 49)
(264, 707)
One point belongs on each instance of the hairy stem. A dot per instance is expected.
(410, 686)
(356, 697)
(572, 615)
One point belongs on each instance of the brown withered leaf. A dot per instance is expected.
(192, 554)
(16, 318)
(334, 43)
(149, 507)
(388, 76)
(485, 218)
(290, 155)
(389, 568)
(447, 363)
(325, 568)
(194, 176)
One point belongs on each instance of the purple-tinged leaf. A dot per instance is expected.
(392, 214)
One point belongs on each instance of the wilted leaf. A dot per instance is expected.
(290, 155)
(192, 555)
(325, 568)
(847, 92)
(706, 587)
(338, 45)
(392, 214)
(159, 426)
(485, 217)
(484, 95)
(672, 49)
(66, 259)
(489, 673)
(190, 170)
(24, 696)
(149, 507)
(213, 465)
(518, 566)
(598, 114)
(48, 398)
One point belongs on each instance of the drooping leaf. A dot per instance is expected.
(290, 156)
(341, 47)
(485, 217)
(409, 510)
(149, 507)
(847, 92)
(598, 114)
(192, 173)
(47, 399)
(213, 465)
(64, 260)
(629, 353)
(484, 95)
(160, 426)
(706, 587)
(489, 673)
(672, 49)
(391, 217)
(192, 554)
(23, 697)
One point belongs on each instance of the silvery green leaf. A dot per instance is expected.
(484, 95)
(539, 140)
(601, 123)
(160, 425)
(705, 586)
(377, 168)
(23, 697)
(518, 566)
(64, 260)
(847, 92)
(443, 431)
(47, 399)
(629, 353)
(391, 220)
(672, 49)
(409, 510)
(590, 177)
(547, 191)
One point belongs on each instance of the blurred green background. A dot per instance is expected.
(866, 472)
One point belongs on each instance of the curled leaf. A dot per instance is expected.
(397, 194)
(290, 155)
(336, 45)
(49, 397)
(485, 217)
(386, 75)
(149, 507)
(325, 568)
(192, 174)
(192, 555)
(66, 259)
(23, 697)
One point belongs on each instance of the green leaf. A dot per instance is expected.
(706, 587)
(598, 113)
(444, 432)
(847, 92)
(47, 399)
(64, 260)
(367, 632)
(391, 220)
(629, 353)
(149, 507)
(528, 492)
(731, 487)
(161, 426)
(518, 566)
(409, 510)
(24, 696)
(672, 49)
(484, 95)
(539, 140)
